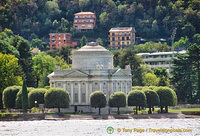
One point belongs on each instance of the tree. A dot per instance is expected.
(167, 97)
(37, 43)
(150, 80)
(18, 101)
(42, 63)
(183, 43)
(9, 73)
(152, 99)
(9, 96)
(36, 95)
(118, 99)
(25, 60)
(188, 30)
(196, 39)
(65, 53)
(98, 100)
(57, 98)
(137, 98)
(83, 41)
(162, 74)
(128, 57)
(183, 78)
(194, 57)
(24, 97)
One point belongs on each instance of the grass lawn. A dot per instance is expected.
(184, 109)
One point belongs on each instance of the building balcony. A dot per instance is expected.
(156, 59)
(85, 18)
(84, 23)
(161, 66)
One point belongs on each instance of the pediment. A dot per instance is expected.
(120, 72)
(76, 73)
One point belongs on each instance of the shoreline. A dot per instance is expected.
(60, 116)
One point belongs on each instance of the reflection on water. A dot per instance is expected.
(131, 127)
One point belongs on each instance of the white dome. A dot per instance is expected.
(92, 56)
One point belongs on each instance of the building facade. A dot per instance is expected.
(122, 37)
(84, 21)
(57, 40)
(159, 59)
(92, 70)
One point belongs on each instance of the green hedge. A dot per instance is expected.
(117, 99)
(137, 98)
(167, 96)
(9, 96)
(36, 95)
(18, 100)
(98, 100)
(57, 98)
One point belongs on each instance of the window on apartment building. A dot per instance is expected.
(123, 38)
(58, 45)
(127, 38)
(83, 25)
(118, 43)
(113, 39)
(89, 25)
(123, 33)
(113, 44)
(76, 26)
(118, 38)
(76, 16)
(75, 21)
(127, 43)
(113, 34)
(123, 43)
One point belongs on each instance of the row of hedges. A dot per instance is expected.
(144, 97)
(52, 98)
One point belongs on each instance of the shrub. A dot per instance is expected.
(152, 99)
(118, 99)
(18, 101)
(9, 96)
(24, 97)
(98, 100)
(136, 98)
(167, 97)
(57, 98)
(36, 95)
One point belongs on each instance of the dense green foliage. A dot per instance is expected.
(167, 96)
(36, 95)
(18, 101)
(9, 96)
(152, 98)
(57, 98)
(83, 41)
(186, 75)
(98, 100)
(117, 99)
(137, 98)
(24, 97)
(152, 19)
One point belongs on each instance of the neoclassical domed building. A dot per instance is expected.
(92, 69)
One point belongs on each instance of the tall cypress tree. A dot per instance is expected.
(24, 97)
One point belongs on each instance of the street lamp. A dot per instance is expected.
(35, 103)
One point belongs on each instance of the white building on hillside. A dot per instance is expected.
(92, 70)
(159, 59)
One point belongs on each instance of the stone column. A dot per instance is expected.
(64, 85)
(100, 86)
(79, 93)
(86, 93)
(72, 92)
(50, 84)
(126, 87)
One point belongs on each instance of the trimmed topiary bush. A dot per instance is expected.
(36, 95)
(57, 98)
(98, 100)
(118, 99)
(24, 97)
(167, 97)
(152, 99)
(137, 98)
(18, 101)
(9, 96)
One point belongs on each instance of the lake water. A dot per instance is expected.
(127, 127)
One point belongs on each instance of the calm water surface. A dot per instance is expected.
(131, 127)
